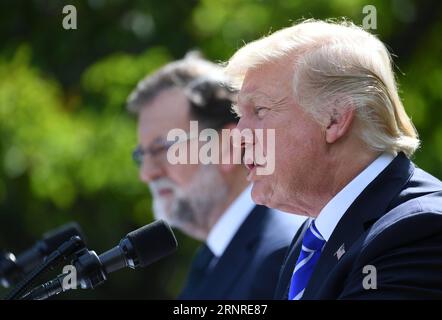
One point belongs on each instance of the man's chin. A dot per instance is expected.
(162, 212)
(258, 194)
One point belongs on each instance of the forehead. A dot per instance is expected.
(266, 82)
(168, 110)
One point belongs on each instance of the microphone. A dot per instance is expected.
(139, 248)
(13, 269)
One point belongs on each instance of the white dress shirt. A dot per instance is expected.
(228, 224)
(332, 213)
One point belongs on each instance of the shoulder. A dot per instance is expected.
(409, 235)
(415, 213)
(405, 248)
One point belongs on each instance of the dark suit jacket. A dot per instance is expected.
(250, 265)
(394, 225)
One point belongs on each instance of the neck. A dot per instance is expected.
(342, 168)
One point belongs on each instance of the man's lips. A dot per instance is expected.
(251, 164)
(165, 192)
(251, 167)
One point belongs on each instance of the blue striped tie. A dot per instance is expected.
(312, 245)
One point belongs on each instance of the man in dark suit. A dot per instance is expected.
(244, 244)
(375, 220)
(391, 235)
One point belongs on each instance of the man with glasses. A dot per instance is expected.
(244, 244)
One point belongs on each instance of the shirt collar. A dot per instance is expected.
(332, 213)
(228, 224)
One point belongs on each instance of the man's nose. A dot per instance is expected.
(247, 132)
(241, 125)
(150, 171)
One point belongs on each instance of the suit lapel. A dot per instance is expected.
(237, 255)
(370, 205)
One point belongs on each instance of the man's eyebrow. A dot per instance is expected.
(244, 99)
(280, 102)
(254, 97)
(159, 140)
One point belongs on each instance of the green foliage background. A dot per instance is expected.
(66, 138)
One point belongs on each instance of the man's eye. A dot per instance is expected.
(261, 111)
(159, 149)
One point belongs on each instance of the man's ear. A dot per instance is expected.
(339, 123)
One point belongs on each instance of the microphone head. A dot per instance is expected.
(55, 238)
(152, 242)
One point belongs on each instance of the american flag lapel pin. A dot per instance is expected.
(340, 252)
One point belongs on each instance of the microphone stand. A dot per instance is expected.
(60, 255)
(90, 272)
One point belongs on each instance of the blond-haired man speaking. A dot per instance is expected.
(343, 148)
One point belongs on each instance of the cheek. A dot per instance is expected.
(286, 150)
(293, 152)
(181, 174)
(298, 157)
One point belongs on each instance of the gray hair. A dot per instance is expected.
(337, 64)
(203, 82)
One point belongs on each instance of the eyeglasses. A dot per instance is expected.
(157, 151)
